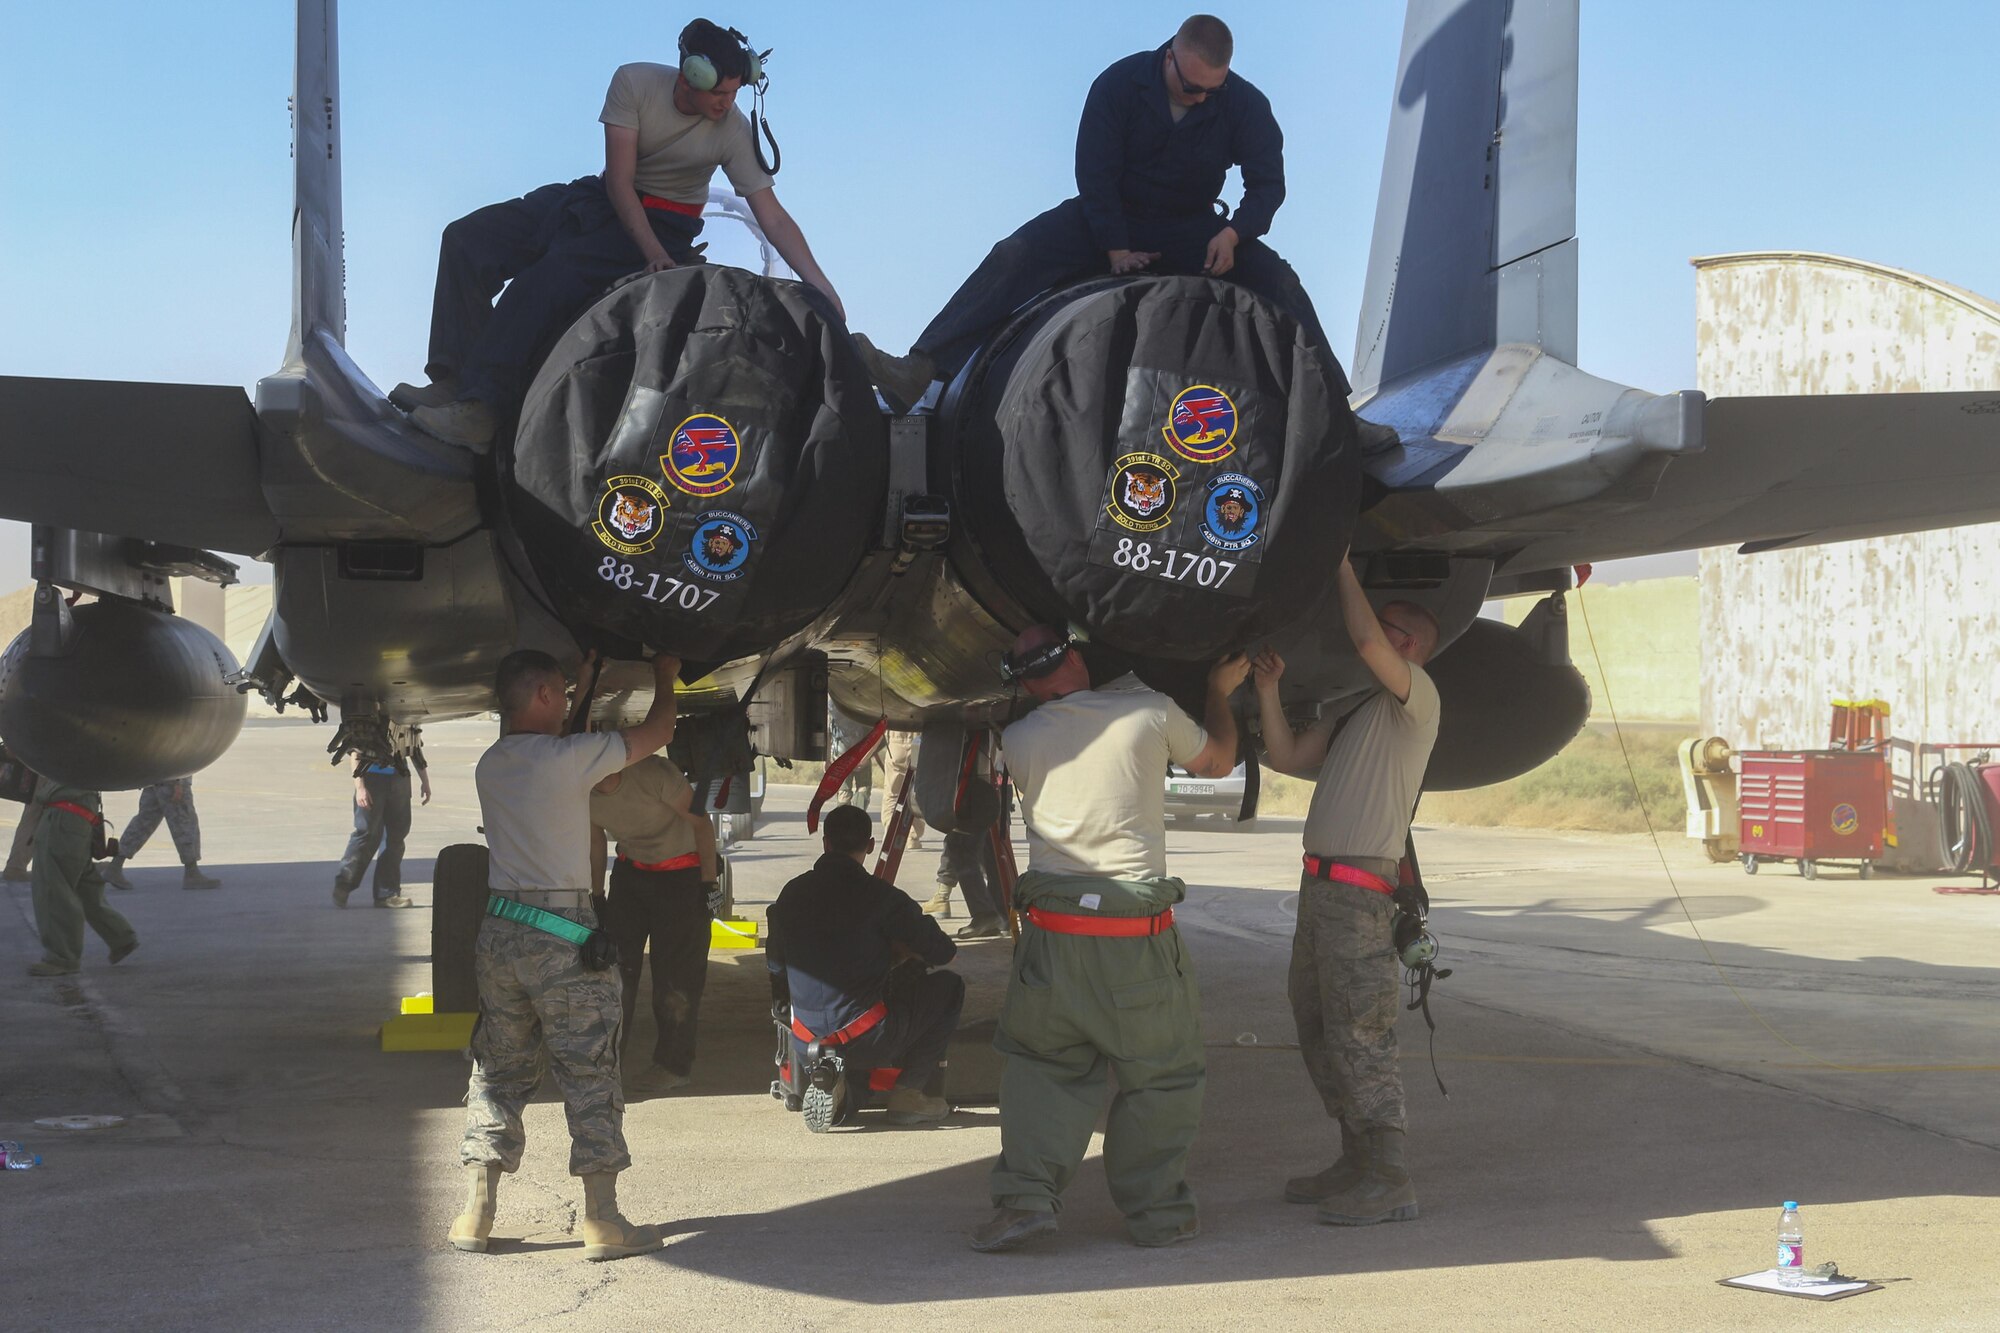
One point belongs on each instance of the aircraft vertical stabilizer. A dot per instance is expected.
(319, 266)
(1478, 190)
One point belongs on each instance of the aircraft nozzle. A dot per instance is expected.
(700, 464)
(1165, 461)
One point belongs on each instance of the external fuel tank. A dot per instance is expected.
(132, 696)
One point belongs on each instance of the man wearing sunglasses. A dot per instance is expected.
(1160, 131)
(1101, 981)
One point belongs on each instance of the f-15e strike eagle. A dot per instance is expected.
(702, 468)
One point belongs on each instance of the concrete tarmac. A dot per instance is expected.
(1629, 1105)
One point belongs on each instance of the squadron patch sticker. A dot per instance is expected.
(1143, 489)
(1233, 514)
(701, 459)
(629, 514)
(1201, 424)
(720, 546)
(1846, 819)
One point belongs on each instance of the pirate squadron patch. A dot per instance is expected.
(702, 455)
(1233, 514)
(720, 546)
(1143, 489)
(629, 514)
(1201, 424)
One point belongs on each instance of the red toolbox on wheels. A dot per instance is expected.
(1811, 806)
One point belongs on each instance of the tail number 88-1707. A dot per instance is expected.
(1166, 563)
(667, 590)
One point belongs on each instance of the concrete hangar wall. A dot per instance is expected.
(1913, 620)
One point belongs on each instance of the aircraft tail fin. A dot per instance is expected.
(1475, 225)
(319, 265)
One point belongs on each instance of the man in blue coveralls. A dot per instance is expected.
(1160, 131)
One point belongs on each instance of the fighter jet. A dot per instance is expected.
(1167, 464)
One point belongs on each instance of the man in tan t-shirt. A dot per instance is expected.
(548, 1005)
(557, 248)
(660, 889)
(1343, 976)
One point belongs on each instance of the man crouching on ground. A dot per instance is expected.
(848, 953)
(1100, 977)
(549, 998)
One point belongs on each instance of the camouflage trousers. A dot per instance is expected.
(158, 801)
(1343, 992)
(541, 1010)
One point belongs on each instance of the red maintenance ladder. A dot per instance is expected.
(902, 813)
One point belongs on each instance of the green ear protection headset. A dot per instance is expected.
(699, 70)
(701, 74)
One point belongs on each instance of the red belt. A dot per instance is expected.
(858, 1028)
(77, 810)
(692, 861)
(1058, 923)
(1321, 867)
(660, 205)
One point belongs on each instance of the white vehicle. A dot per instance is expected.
(1189, 797)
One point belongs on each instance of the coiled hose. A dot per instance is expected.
(1963, 827)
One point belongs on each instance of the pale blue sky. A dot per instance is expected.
(145, 186)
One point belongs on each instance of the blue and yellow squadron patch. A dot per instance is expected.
(720, 546)
(1232, 517)
(1201, 424)
(702, 457)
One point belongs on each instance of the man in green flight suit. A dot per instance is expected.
(1100, 977)
(68, 890)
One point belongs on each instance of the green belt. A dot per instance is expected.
(561, 926)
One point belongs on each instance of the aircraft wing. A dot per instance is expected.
(1753, 473)
(166, 462)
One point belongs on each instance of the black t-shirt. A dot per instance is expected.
(830, 933)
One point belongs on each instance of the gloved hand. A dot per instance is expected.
(599, 952)
(712, 888)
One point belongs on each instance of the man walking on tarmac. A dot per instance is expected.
(548, 994)
(1343, 975)
(1160, 131)
(1100, 976)
(68, 890)
(174, 801)
(381, 819)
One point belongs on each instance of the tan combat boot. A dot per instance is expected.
(913, 1106)
(1336, 1179)
(940, 903)
(606, 1233)
(904, 379)
(1382, 1194)
(470, 1228)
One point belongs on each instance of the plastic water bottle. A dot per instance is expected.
(1791, 1246)
(16, 1158)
